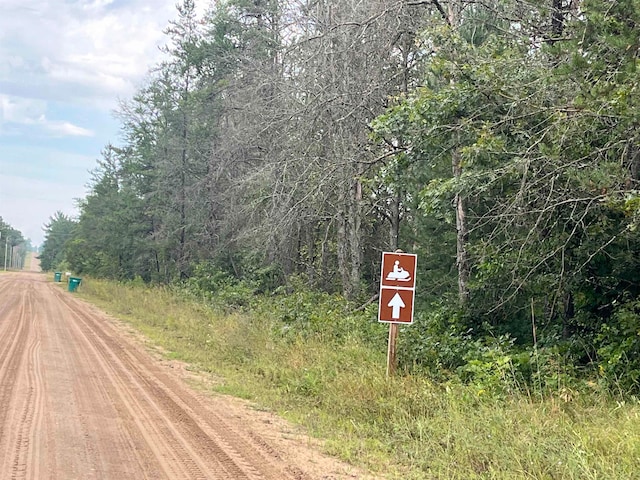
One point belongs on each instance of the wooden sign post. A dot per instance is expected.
(396, 299)
(392, 359)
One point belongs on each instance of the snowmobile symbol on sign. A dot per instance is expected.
(398, 273)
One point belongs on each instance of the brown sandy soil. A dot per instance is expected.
(81, 398)
(34, 263)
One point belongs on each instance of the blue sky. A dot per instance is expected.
(64, 66)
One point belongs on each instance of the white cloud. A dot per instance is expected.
(64, 64)
(67, 129)
(31, 113)
(96, 4)
(20, 110)
(85, 50)
(88, 53)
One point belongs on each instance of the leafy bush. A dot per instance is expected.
(435, 344)
(207, 279)
(619, 351)
(301, 311)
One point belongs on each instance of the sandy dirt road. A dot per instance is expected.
(32, 262)
(81, 399)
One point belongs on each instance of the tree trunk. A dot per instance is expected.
(462, 259)
(394, 239)
(342, 253)
(462, 234)
(355, 239)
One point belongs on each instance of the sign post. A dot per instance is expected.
(397, 294)
(392, 359)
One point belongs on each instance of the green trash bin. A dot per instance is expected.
(74, 282)
(57, 277)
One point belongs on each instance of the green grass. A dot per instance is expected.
(405, 427)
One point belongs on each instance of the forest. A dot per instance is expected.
(286, 143)
(13, 247)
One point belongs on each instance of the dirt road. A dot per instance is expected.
(81, 399)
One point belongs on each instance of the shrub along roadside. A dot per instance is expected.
(305, 356)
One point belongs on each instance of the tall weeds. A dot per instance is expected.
(327, 372)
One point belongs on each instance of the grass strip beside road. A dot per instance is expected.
(404, 428)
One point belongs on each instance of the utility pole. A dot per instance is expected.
(6, 247)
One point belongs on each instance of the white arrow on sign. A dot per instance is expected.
(396, 304)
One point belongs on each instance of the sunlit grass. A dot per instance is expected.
(405, 427)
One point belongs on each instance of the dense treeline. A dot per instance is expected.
(498, 140)
(13, 247)
(58, 232)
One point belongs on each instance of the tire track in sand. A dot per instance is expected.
(180, 415)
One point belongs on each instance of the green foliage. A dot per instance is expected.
(108, 240)
(277, 146)
(405, 427)
(58, 234)
(435, 344)
(549, 180)
(328, 317)
(240, 268)
(207, 279)
(10, 238)
(619, 348)
(494, 366)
